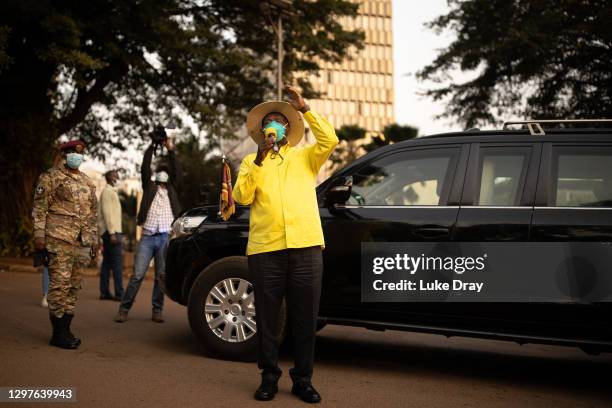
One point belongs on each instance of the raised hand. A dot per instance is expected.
(294, 97)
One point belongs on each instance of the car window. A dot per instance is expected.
(407, 178)
(583, 177)
(501, 172)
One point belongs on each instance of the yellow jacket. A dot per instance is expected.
(281, 193)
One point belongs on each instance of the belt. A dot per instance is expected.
(154, 234)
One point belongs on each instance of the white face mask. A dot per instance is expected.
(161, 177)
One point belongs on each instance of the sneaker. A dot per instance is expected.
(157, 317)
(121, 317)
(44, 303)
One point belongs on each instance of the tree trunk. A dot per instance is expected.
(24, 155)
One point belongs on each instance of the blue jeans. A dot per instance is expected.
(45, 277)
(150, 246)
(112, 259)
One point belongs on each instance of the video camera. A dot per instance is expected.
(158, 136)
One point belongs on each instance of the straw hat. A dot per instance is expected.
(255, 116)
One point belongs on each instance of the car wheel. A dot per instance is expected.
(221, 310)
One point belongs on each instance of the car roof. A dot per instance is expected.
(473, 136)
(585, 135)
(582, 135)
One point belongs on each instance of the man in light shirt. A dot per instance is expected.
(109, 225)
(159, 207)
(285, 235)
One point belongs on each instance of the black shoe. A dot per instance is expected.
(117, 298)
(306, 392)
(69, 332)
(60, 337)
(267, 390)
(106, 297)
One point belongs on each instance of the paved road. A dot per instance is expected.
(145, 364)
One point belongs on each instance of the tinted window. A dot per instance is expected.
(501, 175)
(583, 177)
(416, 177)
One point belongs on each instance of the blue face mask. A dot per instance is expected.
(279, 129)
(74, 160)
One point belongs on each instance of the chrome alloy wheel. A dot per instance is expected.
(230, 310)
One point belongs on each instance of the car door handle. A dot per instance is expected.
(432, 232)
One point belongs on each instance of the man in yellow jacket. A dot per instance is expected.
(285, 234)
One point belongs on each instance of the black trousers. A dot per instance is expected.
(293, 273)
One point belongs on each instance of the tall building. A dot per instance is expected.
(359, 91)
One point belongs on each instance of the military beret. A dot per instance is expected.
(78, 145)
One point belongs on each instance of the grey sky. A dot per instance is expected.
(414, 46)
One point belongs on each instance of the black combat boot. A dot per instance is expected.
(68, 318)
(60, 336)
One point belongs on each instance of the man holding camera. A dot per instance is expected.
(159, 207)
(285, 234)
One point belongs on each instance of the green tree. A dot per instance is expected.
(392, 133)
(351, 138)
(201, 171)
(355, 142)
(128, 217)
(529, 58)
(108, 70)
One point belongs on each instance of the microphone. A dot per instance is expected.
(270, 131)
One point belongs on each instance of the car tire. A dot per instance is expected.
(234, 268)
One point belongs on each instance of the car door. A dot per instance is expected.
(498, 198)
(574, 204)
(404, 195)
(496, 206)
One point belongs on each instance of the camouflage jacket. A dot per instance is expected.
(65, 207)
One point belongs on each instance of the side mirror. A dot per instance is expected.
(340, 191)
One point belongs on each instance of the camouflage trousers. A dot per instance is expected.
(65, 263)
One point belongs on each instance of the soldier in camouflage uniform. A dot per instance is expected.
(65, 223)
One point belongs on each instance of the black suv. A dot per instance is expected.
(531, 184)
